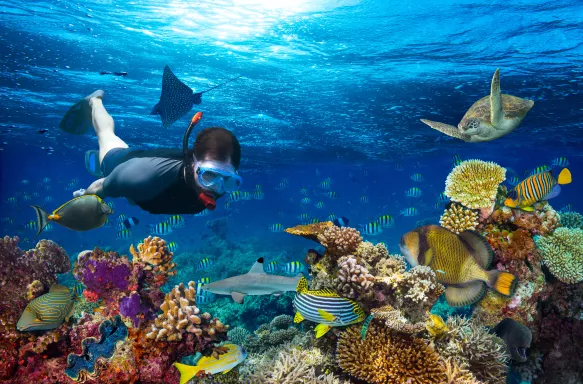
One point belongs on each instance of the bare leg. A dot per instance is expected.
(104, 128)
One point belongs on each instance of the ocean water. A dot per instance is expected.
(329, 89)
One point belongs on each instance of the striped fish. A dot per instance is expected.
(48, 311)
(414, 192)
(320, 204)
(364, 199)
(123, 234)
(561, 162)
(172, 246)
(204, 264)
(331, 217)
(386, 221)
(365, 326)
(234, 196)
(175, 221)
(293, 268)
(411, 211)
(271, 267)
(203, 280)
(539, 169)
(121, 218)
(304, 216)
(457, 160)
(331, 195)
(371, 229)
(325, 307)
(276, 227)
(305, 200)
(202, 296)
(160, 229)
(209, 365)
(258, 195)
(417, 177)
(535, 188)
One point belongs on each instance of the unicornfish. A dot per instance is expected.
(48, 311)
(83, 213)
(227, 361)
(460, 262)
(325, 307)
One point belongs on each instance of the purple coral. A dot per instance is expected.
(103, 272)
(134, 308)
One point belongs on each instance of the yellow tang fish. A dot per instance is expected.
(227, 361)
(459, 261)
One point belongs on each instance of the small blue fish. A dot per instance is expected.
(386, 221)
(560, 162)
(364, 199)
(121, 218)
(398, 167)
(417, 177)
(176, 221)
(331, 195)
(293, 268)
(414, 192)
(304, 191)
(258, 195)
(341, 221)
(411, 211)
(160, 229)
(324, 184)
(457, 160)
(130, 222)
(172, 246)
(514, 181)
(305, 200)
(442, 198)
(276, 227)
(567, 208)
(281, 186)
(320, 204)
(271, 267)
(123, 234)
(206, 212)
(234, 196)
(371, 229)
(304, 216)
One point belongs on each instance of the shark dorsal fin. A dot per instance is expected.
(257, 267)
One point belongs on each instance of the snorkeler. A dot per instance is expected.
(160, 181)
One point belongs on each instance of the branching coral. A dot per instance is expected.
(571, 220)
(458, 219)
(470, 345)
(386, 358)
(395, 321)
(154, 254)
(562, 252)
(474, 183)
(181, 316)
(353, 279)
(238, 335)
(372, 253)
(274, 333)
(457, 374)
(340, 241)
(391, 265)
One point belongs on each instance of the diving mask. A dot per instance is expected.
(217, 176)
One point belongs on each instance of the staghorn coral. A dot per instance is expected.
(181, 316)
(457, 374)
(470, 345)
(386, 358)
(571, 220)
(156, 258)
(474, 184)
(372, 253)
(353, 279)
(457, 219)
(310, 231)
(340, 241)
(562, 253)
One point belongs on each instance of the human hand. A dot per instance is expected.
(78, 193)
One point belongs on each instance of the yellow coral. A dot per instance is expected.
(387, 358)
(310, 231)
(154, 253)
(474, 183)
(458, 219)
(457, 374)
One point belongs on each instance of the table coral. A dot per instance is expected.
(310, 231)
(340, 241)
(474, 183)
(181, 316)
(562, 253)
(385, 357)
(353, 279)
(457, 219)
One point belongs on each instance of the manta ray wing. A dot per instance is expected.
(176, 99)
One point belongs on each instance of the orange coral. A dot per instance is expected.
(340, 241)
(154, 254)
(310, 231)
(386, 358)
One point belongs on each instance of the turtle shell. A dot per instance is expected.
(513, 107)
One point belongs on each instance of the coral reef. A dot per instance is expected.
(238, 335)
(470, 345)
(562, 253)
(474, 183)
(310, 231)
(457, 219)
(572, 220)
(457, 374)
(340, 241)
(156, 259)
(180, 317)
(353, 279)
(372, 253)
(277, 332)
(385, 357)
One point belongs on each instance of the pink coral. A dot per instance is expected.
(353, 279)
(340, 241)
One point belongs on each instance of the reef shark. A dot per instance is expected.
(255, 282)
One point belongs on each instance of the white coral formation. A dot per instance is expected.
(181, 316)
(372, 253)
(458, 219)
(474, 183)
(353, 279)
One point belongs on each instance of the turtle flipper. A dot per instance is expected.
(496, 113)
(449, 130)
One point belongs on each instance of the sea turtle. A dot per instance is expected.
(489, 118)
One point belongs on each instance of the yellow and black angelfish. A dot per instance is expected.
(535, 188)
(325, 307)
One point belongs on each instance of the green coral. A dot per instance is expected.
(562, 252)
(83, 306)
(279, 331)
(571, 220)
(238, 335)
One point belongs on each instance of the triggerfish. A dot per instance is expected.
(48, 311)
(535, 188)
(209, 365)
(83, 213)
(326, 308)
(460, 262)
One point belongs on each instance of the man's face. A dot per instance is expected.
(214, 194)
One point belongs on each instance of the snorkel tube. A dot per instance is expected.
(208, 201)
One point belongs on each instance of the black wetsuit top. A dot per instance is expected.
(154, 180)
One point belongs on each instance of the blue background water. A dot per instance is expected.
(329, 89)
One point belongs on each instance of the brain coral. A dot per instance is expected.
(474, 183)
(458, 219)
(386, 358)
(562, 252)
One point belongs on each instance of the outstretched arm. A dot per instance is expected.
(96, 188)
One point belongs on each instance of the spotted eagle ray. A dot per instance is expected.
(177, 98)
